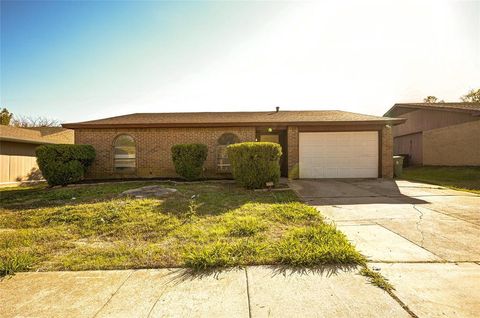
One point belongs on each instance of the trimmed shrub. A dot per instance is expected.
(255, 163)
(188, 160)
(64, 164)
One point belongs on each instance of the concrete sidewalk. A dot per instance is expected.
(249, 292)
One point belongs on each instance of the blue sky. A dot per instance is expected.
(83, 60)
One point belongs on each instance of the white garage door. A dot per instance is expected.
(339, 154)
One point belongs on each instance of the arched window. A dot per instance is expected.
(228, 139)
(223, 164)
(124, 154)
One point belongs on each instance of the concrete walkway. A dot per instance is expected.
(425, 239)
(249, 292)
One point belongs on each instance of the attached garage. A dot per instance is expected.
(339, 154)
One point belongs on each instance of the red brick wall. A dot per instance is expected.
(292, 142)
(387, 152)
(456, 145)
(153, 148)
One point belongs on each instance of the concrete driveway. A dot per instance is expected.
(425, 239)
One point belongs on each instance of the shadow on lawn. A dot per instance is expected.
(218, 200)
(41, 196)
(208, 199)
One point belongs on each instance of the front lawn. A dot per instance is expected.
(203, 225)
(458, 178)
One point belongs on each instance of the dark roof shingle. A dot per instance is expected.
(218, 119)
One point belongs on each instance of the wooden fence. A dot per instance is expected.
(15, 168)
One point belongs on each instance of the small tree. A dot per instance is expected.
(26, 122)
(255, 163)
(5, 117)
(430, 99)
(188, 160)
(472, 97)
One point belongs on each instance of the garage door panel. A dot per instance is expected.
(338, 154)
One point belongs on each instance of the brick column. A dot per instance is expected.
(292, 142)
(387, 152)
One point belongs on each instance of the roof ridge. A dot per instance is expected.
(241, 111)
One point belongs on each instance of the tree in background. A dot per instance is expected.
(472, 97)
(26, 122)
(5, 117)
(430, 99)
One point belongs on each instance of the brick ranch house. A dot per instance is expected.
(315, 144)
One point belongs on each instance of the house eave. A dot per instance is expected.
(430, 107)
(26, 140)
(390, 121)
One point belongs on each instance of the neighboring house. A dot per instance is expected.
(17, 150)
(322, 144)
(445, 134)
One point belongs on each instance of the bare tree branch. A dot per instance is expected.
(27, 121)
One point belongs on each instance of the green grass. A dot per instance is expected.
(377, 279)
(91, 227)
(458, 178)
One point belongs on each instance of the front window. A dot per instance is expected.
(124, 154)
(223, 164)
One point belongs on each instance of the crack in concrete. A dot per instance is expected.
(402, 304)
(116, 291)
(415, 243)
(156, 301)
(248, 294)
(452, 216)
(417, 224)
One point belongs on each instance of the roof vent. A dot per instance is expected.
(277, 109)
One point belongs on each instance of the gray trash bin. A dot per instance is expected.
(397, 165)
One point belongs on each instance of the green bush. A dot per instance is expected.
(64, 164)
(188, 160)
(255, 163)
